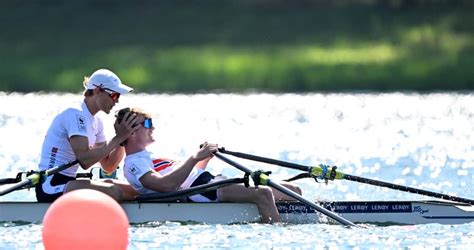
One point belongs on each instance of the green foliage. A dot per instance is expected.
(192, 46)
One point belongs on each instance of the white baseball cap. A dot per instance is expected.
(106, 79)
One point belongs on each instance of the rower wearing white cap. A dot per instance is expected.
(77, 133)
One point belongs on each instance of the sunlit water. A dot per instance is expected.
(424, 141)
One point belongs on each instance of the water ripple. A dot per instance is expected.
(425, 141)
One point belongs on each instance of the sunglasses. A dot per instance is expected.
(112, 94)
(147, 123)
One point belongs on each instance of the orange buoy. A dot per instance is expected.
(85, 219)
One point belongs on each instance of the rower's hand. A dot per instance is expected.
(206, 151)
(127, 126)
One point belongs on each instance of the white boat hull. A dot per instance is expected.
(373, 212)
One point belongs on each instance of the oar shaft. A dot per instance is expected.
(288, 192)
(17, 186)
(190, 191)
(407, 189)
(233, 163)
(36, 178)
(265, 160)
(350, 177)
(318, 208)
(60, 168)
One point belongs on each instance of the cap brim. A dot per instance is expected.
(122, 89)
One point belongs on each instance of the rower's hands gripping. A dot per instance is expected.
(127, 126)
(206, 151)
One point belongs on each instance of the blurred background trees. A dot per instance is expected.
(236, 46)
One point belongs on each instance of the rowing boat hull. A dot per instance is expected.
(373, 212)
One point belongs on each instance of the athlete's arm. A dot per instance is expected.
(90, 156)
(171, 181)
(203, 164)
(111, 161)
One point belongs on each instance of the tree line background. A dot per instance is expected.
(238, 46)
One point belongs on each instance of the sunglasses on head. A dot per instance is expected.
(147, 123)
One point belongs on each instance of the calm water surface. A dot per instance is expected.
(424, 141)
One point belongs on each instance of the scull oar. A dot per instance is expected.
(38, 177)
(173, 196)
(265, 180)
(320, 171)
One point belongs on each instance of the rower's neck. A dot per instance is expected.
(91, 105)
(129, 149)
